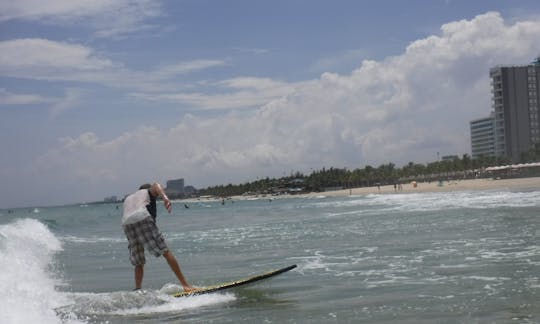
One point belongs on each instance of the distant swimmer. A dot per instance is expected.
(139, 223)
(186, 206)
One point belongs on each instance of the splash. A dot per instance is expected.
(29, 283)
(127, 303)
(28, 280)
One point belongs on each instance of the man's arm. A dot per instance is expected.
(159, 192)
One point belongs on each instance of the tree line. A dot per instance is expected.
(384, 174)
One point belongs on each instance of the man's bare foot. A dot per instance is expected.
(189, 288)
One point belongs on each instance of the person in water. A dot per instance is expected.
(139, 224)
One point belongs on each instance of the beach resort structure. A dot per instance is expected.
(514, 121)
(483, 137)
(175, 187)
(515, 101)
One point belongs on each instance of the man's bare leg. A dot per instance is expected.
(175, 267)
(139, 273)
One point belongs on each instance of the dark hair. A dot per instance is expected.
(145, 186)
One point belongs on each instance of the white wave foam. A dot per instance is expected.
(174, 305)
(28, 281)
(436, 201)
(124, 303)
(92, 239)
(485, 278)
(476, 200)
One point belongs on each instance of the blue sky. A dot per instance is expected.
(97, 97)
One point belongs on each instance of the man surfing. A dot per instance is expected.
(139, 224)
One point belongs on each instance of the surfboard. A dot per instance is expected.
(236, 283)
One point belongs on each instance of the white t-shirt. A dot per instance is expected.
(135, 207)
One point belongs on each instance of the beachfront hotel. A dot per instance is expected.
(175, 187)
(516, 105)
(483, 137)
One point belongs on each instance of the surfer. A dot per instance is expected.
(139, 223)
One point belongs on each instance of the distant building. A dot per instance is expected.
(483, 137)
(111, 199)
(449, 157)
(175, 187)
(189, 190)
(516, 106)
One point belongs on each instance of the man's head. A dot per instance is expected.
(150, 189)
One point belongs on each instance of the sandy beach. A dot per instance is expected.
(453, 185)
(446, 186)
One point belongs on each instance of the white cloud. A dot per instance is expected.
(36, 58)
(42, 59)
(56, 105)
(172, 70)
(72, 98)
(403, 108)
(35, 9)
(340, 60)
(241, 92)
(107, 17)
(10, 98)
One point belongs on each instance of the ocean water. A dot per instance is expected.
(459, 257)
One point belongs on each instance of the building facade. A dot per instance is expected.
(483, 137)
(516, 106)
(175, 187)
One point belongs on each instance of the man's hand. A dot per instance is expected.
(158, 191)
(167, 204)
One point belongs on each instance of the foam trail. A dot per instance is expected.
(28, 282)
(126, 303)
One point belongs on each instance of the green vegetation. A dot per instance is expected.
(319, 180)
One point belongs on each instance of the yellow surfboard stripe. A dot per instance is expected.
(236, 283)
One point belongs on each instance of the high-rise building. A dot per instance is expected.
(483, 137)
(516, 107)
(175, 187)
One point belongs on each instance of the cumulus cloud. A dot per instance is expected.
(403, 108)
(109, 18)
(347, 58)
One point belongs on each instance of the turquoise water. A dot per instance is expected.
(460, 257)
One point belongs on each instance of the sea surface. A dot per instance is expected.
(457, 257)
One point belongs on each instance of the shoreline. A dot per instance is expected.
(447, 186)
(421, 187)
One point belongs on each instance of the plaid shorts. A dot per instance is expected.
(143, 233)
